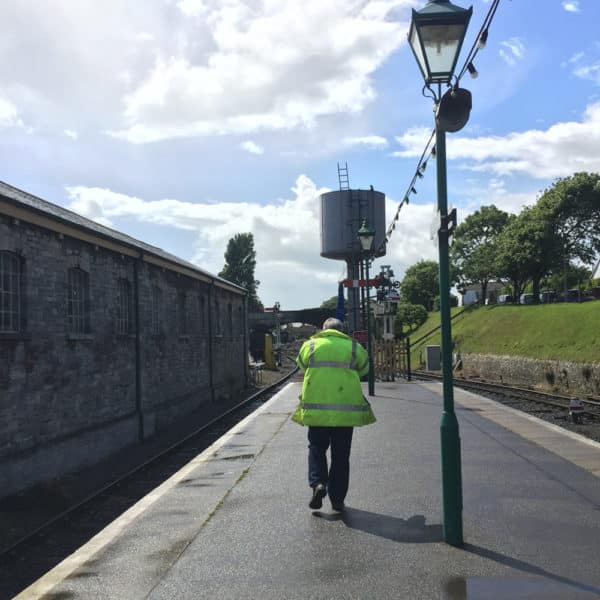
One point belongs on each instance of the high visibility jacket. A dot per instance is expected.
(331, 393)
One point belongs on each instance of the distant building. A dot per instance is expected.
(103, 340)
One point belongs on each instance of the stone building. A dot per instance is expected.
(104, 340)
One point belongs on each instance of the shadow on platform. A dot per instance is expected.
(412, 530)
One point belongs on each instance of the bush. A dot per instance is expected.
(409, 315)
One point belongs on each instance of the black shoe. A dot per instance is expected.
(338, 505)
(319, 493)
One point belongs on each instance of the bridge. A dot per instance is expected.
(311, 316)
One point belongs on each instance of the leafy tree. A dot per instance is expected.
(572, 206)
(409, 315)
(331, 303)
(518, 250)
(474, 248)
(421, 284)
(240, 262)
(436, 302)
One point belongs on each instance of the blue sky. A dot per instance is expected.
(183, 122)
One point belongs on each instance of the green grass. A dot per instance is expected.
(547, 331)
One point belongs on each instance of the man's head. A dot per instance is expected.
(333, 323)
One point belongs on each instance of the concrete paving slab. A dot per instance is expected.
(530, 518)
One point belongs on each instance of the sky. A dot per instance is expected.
(184, 122)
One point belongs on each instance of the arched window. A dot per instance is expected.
(10, 292)
(78, 301)
(124, 307)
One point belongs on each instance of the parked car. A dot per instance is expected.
(505, 299)
(526, 299)
(548, 296)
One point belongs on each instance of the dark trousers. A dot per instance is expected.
(340, 440)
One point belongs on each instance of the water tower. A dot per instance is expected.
(342, 213)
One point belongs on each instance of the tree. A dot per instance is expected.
(474, 246)
(421, 284)
(519, 250)
(240, 262)
(331, 303)
(572, 205)
(409, 315)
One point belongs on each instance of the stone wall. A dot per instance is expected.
(560, 376)
(69, 399)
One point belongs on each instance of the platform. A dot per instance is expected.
(235, 522)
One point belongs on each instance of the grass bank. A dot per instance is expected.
(546, 331)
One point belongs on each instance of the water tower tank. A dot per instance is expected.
(342, 214)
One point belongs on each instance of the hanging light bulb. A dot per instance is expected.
(423, 167)
(433, 151)
(472, 70)
(419, 174)
(482, 41)
(413, 190)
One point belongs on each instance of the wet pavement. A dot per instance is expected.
(235, 522)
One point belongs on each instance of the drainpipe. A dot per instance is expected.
(210, 341)
(246, 349)
(138, 359)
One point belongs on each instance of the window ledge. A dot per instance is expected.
(80, 337)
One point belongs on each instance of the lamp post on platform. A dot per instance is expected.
(436, 36)
(366, 237)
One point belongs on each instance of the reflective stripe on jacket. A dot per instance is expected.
(331, 393)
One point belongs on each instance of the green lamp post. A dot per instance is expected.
(366, 237)
(436, 35)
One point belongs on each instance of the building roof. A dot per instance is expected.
(25, 203)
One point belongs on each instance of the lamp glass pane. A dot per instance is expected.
(441, 43)
(415, 44)
(366, 241)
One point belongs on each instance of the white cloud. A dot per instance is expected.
(252, 147)
(192, 8)
(9, 116)
(286, 235)
(571, 6)
(591, 72)
(264, 68)
(513, 51)
(372, 141)
(71, 133)
(559, 151)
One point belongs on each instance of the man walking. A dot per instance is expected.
(331, 404)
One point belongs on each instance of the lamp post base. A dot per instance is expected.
(451, 479)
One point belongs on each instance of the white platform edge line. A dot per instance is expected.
(61, 571)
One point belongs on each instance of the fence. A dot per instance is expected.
(391, 359)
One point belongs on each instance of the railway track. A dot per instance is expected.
(25, 559)
(556, 401)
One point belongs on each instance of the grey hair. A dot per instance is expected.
(333, 323)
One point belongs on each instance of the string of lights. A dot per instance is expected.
(429, 151)
(479, 43)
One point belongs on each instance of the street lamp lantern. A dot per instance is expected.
(366, 237)
(436, 36)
